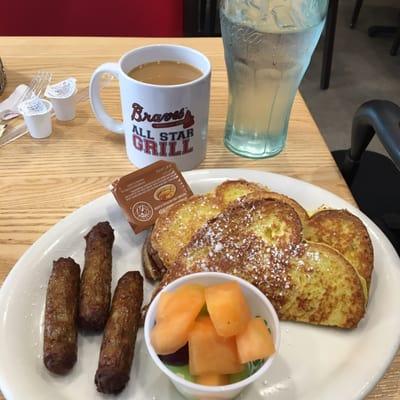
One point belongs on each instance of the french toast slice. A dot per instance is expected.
(325, 289)
(301, 212)
(261, 242)
(176, 226)
(229, 191)
(345, 233)
(152, 271)
(240, 239)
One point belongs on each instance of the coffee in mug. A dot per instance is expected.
(165, 95)
(165, 72)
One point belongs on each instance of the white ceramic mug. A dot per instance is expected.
(160, 122)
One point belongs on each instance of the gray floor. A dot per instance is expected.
(362, 70)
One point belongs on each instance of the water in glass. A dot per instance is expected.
(268, 45)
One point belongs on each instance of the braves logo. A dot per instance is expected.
(166, 120)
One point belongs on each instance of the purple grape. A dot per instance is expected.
(180, 357)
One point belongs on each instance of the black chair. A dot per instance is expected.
(201, 18)
(373, 178)
(327, 56)
(378, 29)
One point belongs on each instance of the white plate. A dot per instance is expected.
(314, 362)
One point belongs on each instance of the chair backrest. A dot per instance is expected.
(201, 18)
(381, 117)
(373, 178)
(92, 18)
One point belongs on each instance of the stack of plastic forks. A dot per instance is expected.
(36, 88)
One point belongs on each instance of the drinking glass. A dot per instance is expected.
(268, 46)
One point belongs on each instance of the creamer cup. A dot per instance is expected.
(62, 96)
(37, 117)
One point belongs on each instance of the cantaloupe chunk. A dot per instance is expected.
(164, 299)
(212, 379)
(211, 353)
(189, 287)
(175, 317)
(256, 342)
(188, 297)
(228, 308)
(168, 336)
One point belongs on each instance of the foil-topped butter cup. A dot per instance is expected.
(63, 98)
(37, 117)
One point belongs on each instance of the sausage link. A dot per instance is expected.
(95, 294)
(118, 346)
(60, 321)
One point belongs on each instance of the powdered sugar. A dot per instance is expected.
(232, 243)
(218, 247)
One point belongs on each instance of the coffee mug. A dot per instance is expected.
(160, 122)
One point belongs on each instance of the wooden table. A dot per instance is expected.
(41, 182)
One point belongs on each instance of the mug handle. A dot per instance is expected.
(95, 99)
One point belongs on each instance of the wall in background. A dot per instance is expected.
(92, 18)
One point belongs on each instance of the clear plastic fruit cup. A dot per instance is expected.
(259, 305)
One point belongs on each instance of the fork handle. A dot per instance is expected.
(6, 115)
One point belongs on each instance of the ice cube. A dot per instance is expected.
(283, 17)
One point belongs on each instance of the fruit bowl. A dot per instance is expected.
(259, 306)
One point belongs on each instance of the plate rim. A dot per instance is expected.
(210, 174)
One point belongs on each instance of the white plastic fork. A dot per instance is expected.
(36, 88)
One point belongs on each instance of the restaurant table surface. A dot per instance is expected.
(42, 181)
